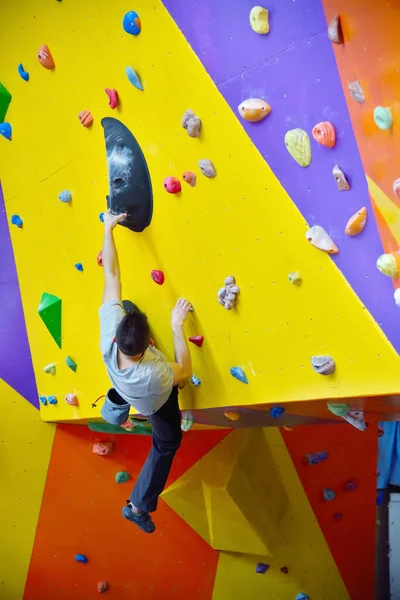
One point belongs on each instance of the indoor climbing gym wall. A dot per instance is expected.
(255, 150)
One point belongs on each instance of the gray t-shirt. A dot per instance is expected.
(147, 384)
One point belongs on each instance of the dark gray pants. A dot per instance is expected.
(167, 436)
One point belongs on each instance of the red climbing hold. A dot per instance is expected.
(99, 259)
(172, 185)
(102, 449)
(102, 587)
(285, 570)
(113, 97)
(158, 277)
(197, 340)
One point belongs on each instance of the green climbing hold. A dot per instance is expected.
(338, 409)
(50, 312)
(5, 99)
(71, 364)
(122, 477)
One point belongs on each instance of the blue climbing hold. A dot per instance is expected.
(316, 457)
(329, 494)
(43, 400)
(81, 558)
(276, 411)
(79, 267)
(131, 23)
(239, 374)
(16, 220)
(6, 131)
(379, 498)
(52, 400)
(22, 73)
(65, 196)
(195, 380)
(101, 217)
(134, 78)
(302, 596)
(262, 568)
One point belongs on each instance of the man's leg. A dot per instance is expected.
(167, 436)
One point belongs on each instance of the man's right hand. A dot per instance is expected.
(111, 221)
(179, 313)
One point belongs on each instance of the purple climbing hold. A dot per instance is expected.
(276, 411)
(329, 494)
(81, 558)
(262, 568)
(316, 458)
(351, 485)
(16, 220)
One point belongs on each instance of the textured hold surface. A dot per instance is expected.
(356, 92)
(388, 264)
(316, 457)
(227, 295)
(172, 185)
(131, 23)
(22, 73)
(112, 98)
(329, 494)
(81, 558)
(197, 340)
(324, 133)
(321, 240)
(102, 587)
(396, 188)
(45, 58)
(50, 369)
(17, 221)
(72, 399)
(52, 400)
(340, 179)
(207, 168)
(233, 415)
(239, 374)
(122, 476)
(259, 20)
(86, 118)
(103, 449)
(50, 312)
(276, 412)
(383, 117)
(324, 365)
(357, 222)
(335, 33)
(298, 145)
(71, 363)
(195, 380)
(6, 130)
(262, 568)
(190, 178)
(65, 196)
(254, 109)
(192, 123)
(158, 276)
(295, 278)
(79, 267)
(134, 78)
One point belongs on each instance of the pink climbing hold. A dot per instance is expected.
(172, 185)
(103, 449)
(72, 399)
(113, 98)
(86, 118)
(158, 277)
(197, 340)
(102, 587)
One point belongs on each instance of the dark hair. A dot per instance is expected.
(133, 333)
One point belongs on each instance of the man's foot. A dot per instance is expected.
(143, 520)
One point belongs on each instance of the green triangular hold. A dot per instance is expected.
(50, 312)
(5, 99)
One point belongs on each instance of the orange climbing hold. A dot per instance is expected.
(357, 222)
(325, 134)
(72, 399)
(102, 587)
(103, 449)
(45, 58)
(86, 118)
(190, 178)
(254, 109)
(233, 415)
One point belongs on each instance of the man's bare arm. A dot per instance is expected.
(112, 278)
(182, 368)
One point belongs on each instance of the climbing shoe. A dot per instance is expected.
(142, 520)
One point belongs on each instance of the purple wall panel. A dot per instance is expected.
(294, 69)
(15, 357)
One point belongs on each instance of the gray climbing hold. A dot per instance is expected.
(324, 365)
(207, 168)
(191, 123)
(356, 92)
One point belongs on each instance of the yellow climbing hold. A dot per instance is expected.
(298, 145)
(259, 20)
(389, 264)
